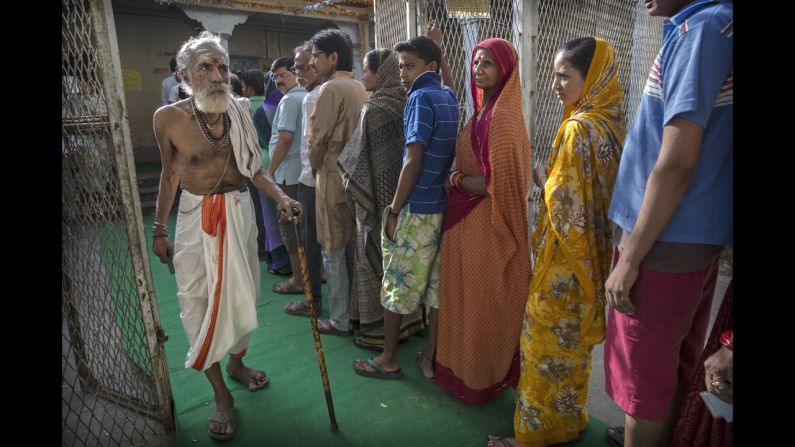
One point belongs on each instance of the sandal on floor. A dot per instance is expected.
(420, 356)
(301, 308)
(285, 289)
(364, 345)
(615, 436)
(378, 371)
(282, 271)
(498, 441)
(325, 327)
(224, 418)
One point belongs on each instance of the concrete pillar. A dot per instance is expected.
(364, 37)
(352, 30)
(217, 21)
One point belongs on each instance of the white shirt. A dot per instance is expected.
(307, 107)
(173, 95)
(166, 86)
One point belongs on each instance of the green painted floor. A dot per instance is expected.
(291, 410)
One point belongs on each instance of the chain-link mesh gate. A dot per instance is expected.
(463, 24)
(623, 23)
(390, 22)
(115, 388)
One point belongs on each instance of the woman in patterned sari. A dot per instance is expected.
(485, 264)
(370, 166)
(572, 247)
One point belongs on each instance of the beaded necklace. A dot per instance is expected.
(204, 128)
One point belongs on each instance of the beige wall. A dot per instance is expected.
(257, 41)
(148, 42)
(247, 41)
(146, 45)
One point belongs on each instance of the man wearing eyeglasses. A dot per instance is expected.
(284, 151)
(336, 116)
(307, 78)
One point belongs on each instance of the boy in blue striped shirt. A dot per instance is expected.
(412, 224)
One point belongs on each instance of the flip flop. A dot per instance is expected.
(613, 434)
(420, 356)
(281, 271)
(284, 289)
(364, 345)
(378, 373)
(497, 441)
(222, 417)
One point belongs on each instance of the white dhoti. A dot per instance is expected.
(217, 273)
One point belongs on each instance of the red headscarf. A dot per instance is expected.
(460, 202)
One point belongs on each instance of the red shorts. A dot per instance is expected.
(649, 352)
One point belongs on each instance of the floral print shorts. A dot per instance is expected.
(411, 261)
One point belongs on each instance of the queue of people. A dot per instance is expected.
(406, 215)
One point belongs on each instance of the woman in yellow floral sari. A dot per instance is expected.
(572, 248)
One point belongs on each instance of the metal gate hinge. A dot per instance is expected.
(162, 337)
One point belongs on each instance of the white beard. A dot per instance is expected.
(213, 99)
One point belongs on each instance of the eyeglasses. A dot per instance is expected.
(284, 75)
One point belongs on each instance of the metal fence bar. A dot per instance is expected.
(108, 51)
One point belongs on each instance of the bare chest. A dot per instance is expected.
(204, 160)
(197, 147)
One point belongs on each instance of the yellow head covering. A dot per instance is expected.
(602, 98)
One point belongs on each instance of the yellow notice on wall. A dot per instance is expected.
(132, 80)
(468, 9)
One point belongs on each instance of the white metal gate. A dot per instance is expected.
(115, 387)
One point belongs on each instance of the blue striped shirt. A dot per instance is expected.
(431, 119)
(692, 78)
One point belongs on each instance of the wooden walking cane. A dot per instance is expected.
(315, 333)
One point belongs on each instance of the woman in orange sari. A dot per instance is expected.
(485, 263)
(572, 248)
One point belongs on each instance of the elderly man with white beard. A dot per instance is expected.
(209, 144)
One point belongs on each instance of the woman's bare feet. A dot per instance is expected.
(426, 365)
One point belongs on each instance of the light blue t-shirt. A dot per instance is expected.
(288, 118)
(431, 119)
(692, 77)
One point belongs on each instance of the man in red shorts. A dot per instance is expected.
(673, 206)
